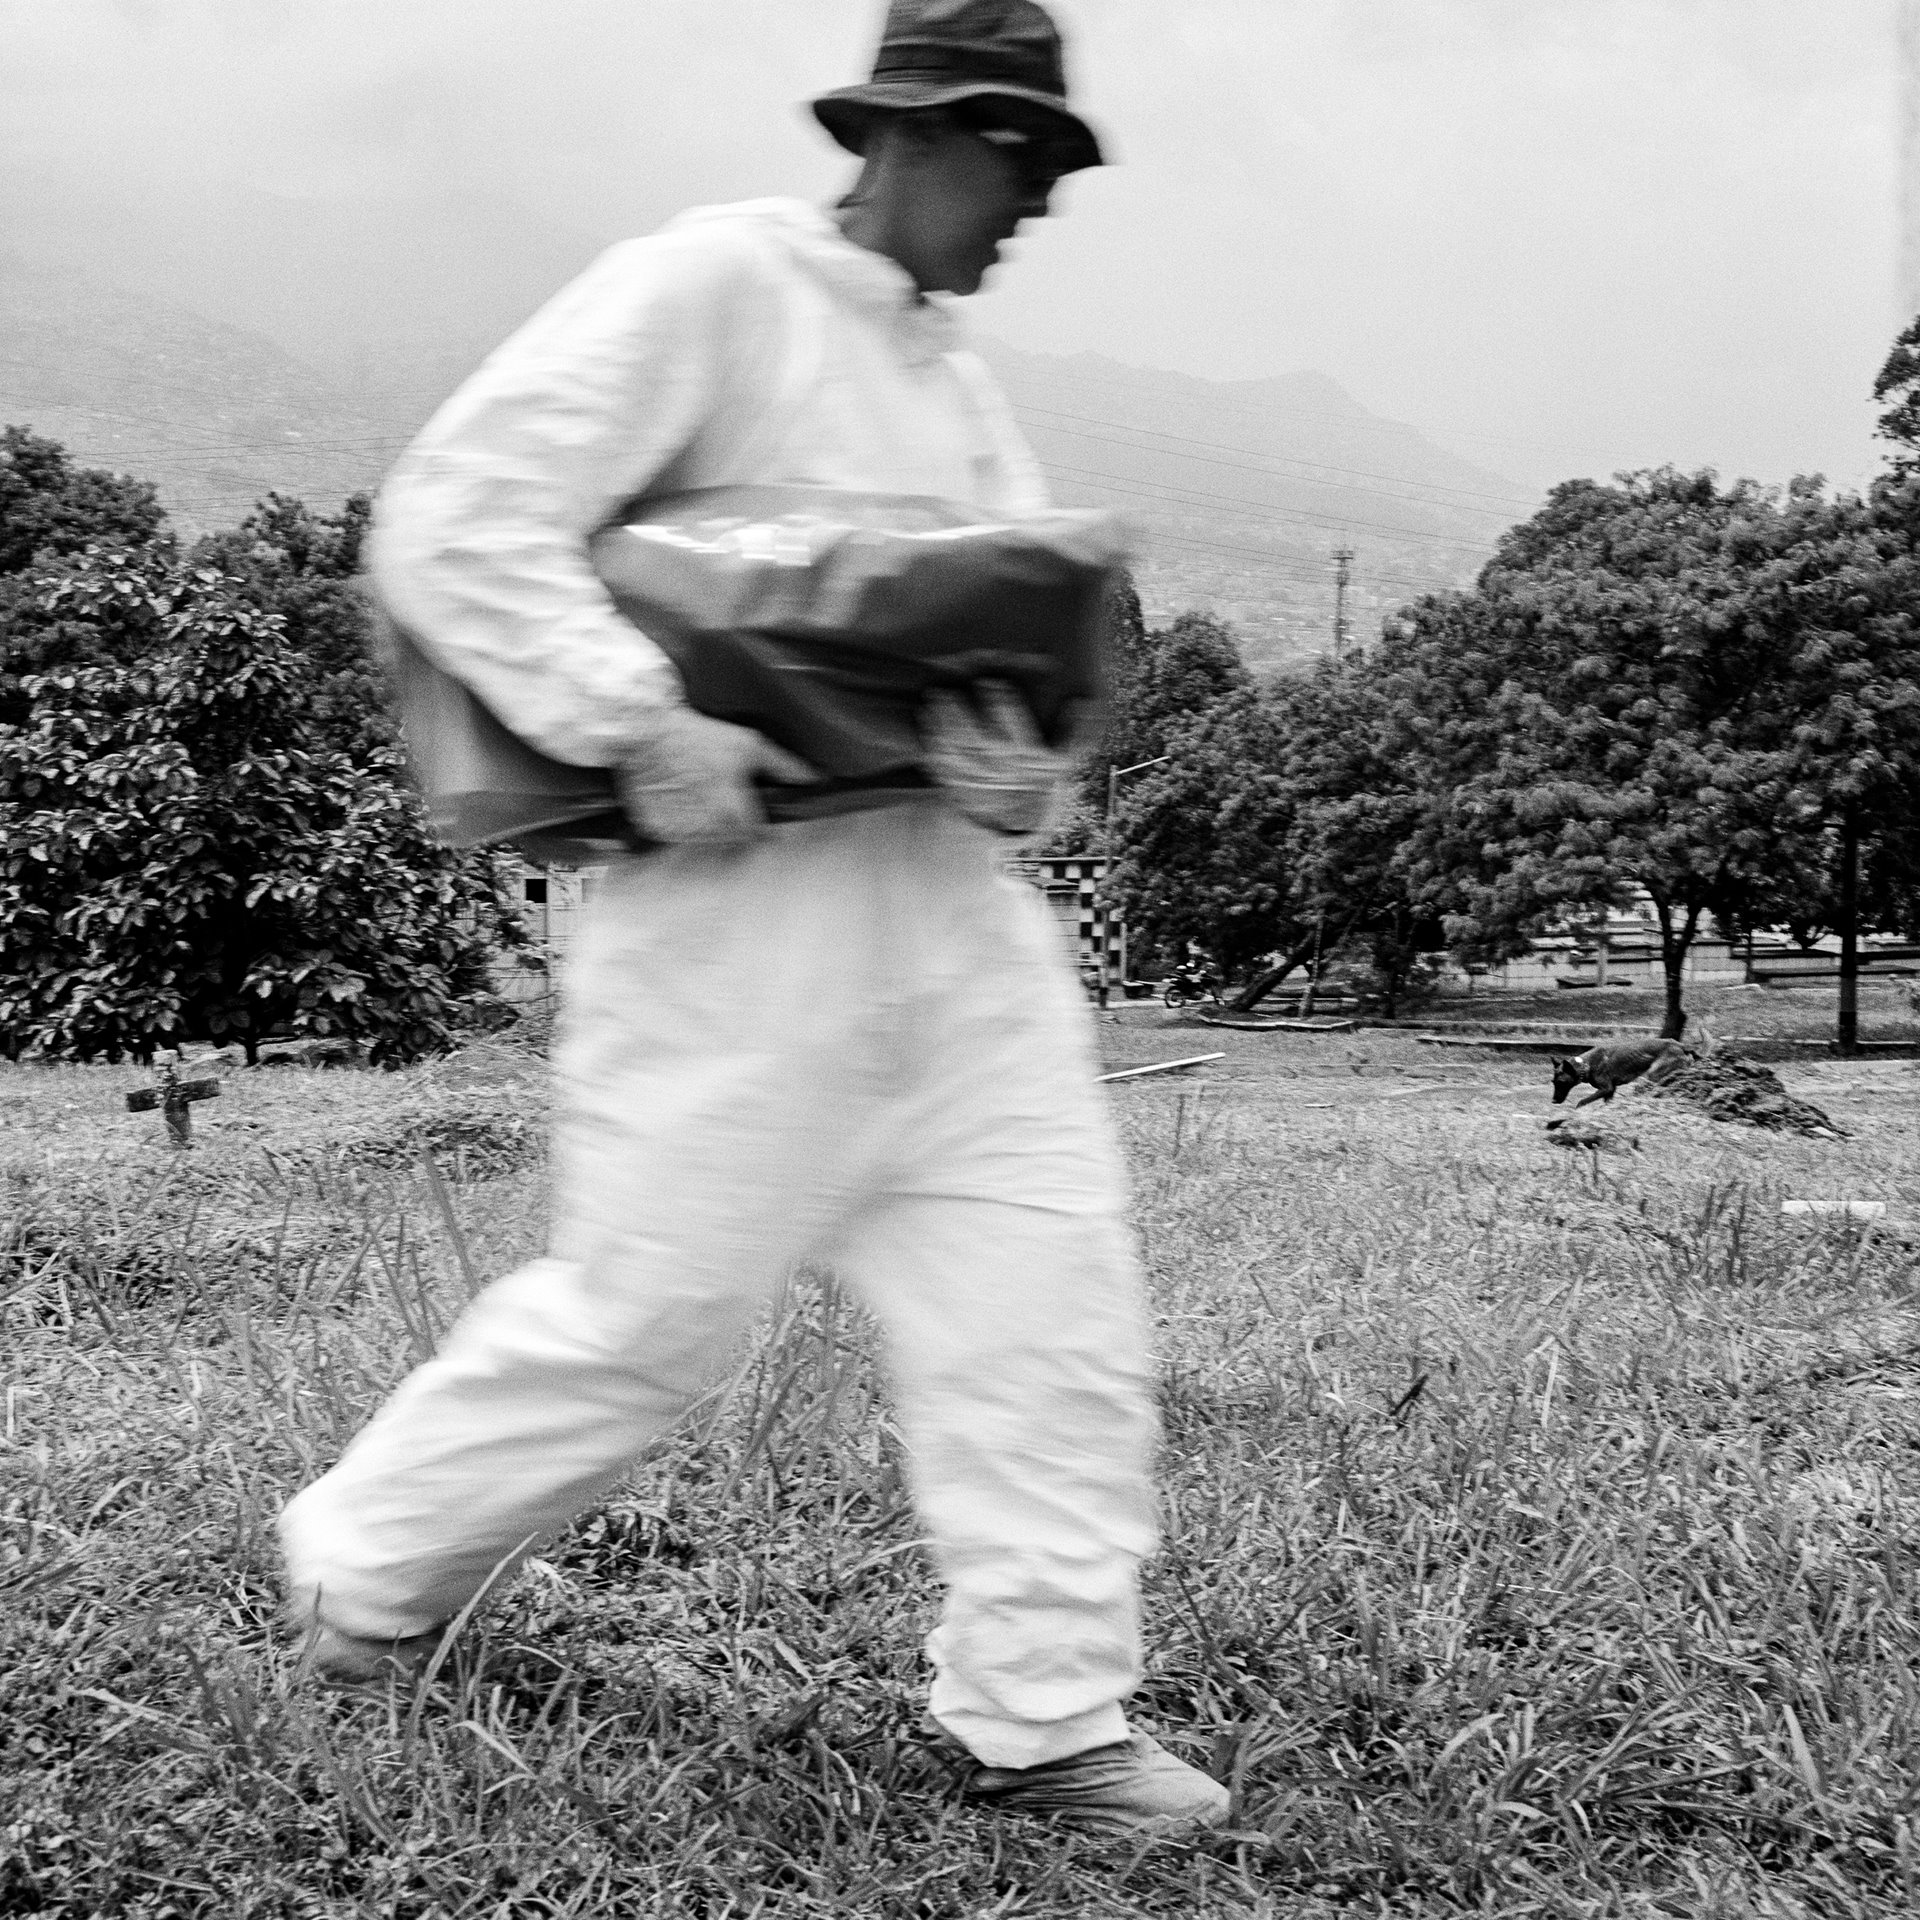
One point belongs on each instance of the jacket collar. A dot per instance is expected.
(922, 327)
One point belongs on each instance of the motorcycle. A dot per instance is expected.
(1190, 984)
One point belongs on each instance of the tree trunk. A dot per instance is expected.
(1602, 945)
(1263, 984)
(1849, 892)
(1674, 945)
(1315, 966)
(1673, 1022)
(1393, 960)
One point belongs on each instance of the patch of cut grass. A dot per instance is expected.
(1542, 1533)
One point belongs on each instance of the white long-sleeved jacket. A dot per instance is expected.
(747, 343)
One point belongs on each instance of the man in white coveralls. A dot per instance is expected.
(849, 1038)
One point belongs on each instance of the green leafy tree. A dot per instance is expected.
(1272, 836)
(1897, 388)
(50, 510)
(1160, 680)
(183, 856)
(49, 506)
(287, 560)
(304, 566)
(1203, 845)
(1163, 677)
(1355, 807)
(44, 629)
(1838, 591)
(1599, 713)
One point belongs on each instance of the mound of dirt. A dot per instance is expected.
(1726, 1087)
(474, 1140)
(1583, 1134)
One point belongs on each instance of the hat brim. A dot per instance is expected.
(1071, 144)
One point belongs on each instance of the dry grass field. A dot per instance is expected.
(1542, 1526)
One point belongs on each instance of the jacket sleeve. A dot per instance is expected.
(479, 536)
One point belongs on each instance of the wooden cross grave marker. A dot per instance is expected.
(174, 1097)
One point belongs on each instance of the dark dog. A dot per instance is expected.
(1609, 1066)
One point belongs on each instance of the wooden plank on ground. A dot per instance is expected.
(1163, 1066)
(1586, 1030)
(1886, 1049)
(1493, 1043)
(1279, 1026)
(1791, 977)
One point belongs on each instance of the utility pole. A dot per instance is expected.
(1907, 26)
(1849, 1025)
(1114, 776)
(1343, 558)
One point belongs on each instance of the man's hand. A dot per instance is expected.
(690, 782)
(992, 760)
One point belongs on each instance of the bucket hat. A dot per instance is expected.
(1005, 54)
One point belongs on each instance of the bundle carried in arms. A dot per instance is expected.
(819, 616)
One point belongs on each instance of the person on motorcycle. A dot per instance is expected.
(1193, 979)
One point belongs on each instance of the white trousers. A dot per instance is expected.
(853, 1042)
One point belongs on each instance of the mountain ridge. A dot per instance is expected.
(1241, 491)
(1245, 491)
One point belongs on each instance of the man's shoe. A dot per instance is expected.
(1134, 1786)
(339, 1659)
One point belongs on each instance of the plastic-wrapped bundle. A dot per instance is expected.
(819, 616)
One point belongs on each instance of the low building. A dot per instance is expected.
(552, 899)
(1071, 884)
(1623, 953)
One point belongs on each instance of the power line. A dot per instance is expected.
(1174, 496)
(1423, 488)
(1367, 425)
(1247, 511)
(1312, 579)
(1412, 490)
(1279, 562)
(441, 388)
(1368, 526)
(329, 395)
(200, 459)
(264, 443)
(1280, 566)
(1298, 571)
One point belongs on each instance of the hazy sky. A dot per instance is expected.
(1561, 235)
